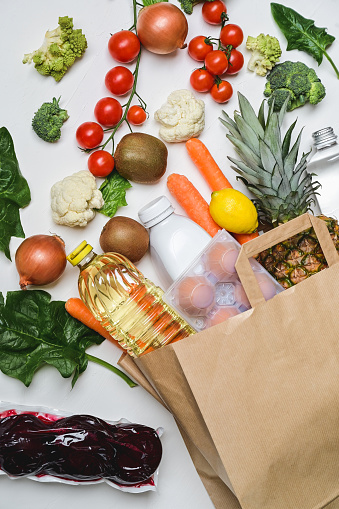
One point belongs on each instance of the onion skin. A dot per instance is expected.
(40, 260)
(162, 28)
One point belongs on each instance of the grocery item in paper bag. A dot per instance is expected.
(126, 304)
(210, 291)
(175, 240)
(43, 445)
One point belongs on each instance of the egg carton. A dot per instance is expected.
(209, 291)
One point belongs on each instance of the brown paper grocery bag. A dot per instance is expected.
(221, 496)
(259, 394)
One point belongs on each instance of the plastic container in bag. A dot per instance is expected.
(209, 291)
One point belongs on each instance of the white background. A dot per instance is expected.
(23, 90)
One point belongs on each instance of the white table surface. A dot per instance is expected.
(23, 90)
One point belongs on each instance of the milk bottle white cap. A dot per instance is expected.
(155, 211)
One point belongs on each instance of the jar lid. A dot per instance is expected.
(324, 137)
(79, 253)
(155, 211)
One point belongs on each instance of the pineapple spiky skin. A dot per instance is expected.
(298, 257)
(282, 188)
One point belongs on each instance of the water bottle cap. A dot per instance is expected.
(324, 137)
(79, 253)
(155, 211)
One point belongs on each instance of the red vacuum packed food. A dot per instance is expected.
(78, 447)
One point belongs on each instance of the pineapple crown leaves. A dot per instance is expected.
(267, 165)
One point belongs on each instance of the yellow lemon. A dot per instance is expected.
(233, 211)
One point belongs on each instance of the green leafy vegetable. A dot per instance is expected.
(14, 193)
(302, 34)
(187, 5)
(114, 193)
(35, 331)
(151, 2)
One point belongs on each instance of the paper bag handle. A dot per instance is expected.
(271, 238)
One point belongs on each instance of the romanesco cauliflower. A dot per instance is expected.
(266, 52)
(59, 50)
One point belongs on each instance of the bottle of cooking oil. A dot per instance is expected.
(127, 304)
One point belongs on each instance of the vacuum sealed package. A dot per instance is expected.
(47, 445)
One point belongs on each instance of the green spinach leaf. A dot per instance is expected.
(302, 34)
(114, 193)
(35, 331)
(14, 193)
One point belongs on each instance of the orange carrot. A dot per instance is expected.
(245, 237)
(78, 309)
(192, 202)
(207, 166)
(213, 175)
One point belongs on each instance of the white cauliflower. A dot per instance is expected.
(182, 117)
(74, 198)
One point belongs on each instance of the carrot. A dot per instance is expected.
(242, 238)
(78, 309)
(207, 166)
(192, 202)
(213, 175)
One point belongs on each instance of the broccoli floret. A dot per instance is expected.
(187, 5)
(48, 120)
(266, 52)
(296, 79)
(59, 50)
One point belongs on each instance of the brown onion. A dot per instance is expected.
(40, 260)
(162, 28)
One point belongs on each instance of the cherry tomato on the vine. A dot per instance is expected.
(198, 48)
(119, 80)
(201, 80)
(216, 62)
(214, 12)
(136, 115)
(222, 91)
(108, 111)
(124, 46)
(235, 61)
(231, 35)
(89, 135)
(100, 163)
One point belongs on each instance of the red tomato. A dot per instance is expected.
(222, 91)
(201, 80)
(235, 62)
(100, 163)
(119, 80)
(216, 62)
(108, 111)
(198, 48)
(231, 35)
(214, 12)
(124, 46)
(89, 135)
(136, 115)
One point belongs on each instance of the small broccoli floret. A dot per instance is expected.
(266, 52)
(48, 120)
(59, 50)
(297, 79)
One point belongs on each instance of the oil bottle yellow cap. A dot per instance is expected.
(79, 253)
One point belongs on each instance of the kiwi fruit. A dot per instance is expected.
(141, 158)
(125, 236)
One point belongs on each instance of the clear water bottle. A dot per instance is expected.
(175, 240)
(126, 303)
(325, 164)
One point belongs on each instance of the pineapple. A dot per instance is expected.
(282, 188)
